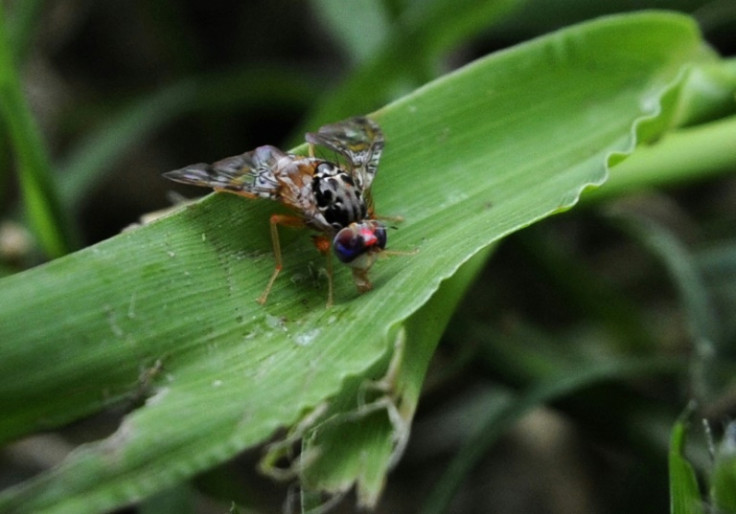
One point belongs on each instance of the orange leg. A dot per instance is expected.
(323, 245)
(286, 221)
(395, 219)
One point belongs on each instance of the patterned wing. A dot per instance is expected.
(250, 174)
(359, 140)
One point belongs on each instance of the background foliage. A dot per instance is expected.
(560, 377)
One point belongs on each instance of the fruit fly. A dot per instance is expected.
(333, 198)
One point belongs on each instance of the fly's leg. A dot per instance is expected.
(362, 282)
(329, 280)
(394, 219)
(276, 220)
(323, 246)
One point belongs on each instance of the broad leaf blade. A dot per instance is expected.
(169, 310)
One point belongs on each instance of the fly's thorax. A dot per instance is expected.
(359, 244)
(338, 198)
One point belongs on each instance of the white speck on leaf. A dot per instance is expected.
(306, 338)
(275, 322)
(113, 321)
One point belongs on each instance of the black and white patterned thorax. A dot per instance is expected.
(338, 198)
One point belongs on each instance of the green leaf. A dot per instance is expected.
(684, 492)
(723, 476)
(687, 155)
(40, 196)
(367, 427)
(168, 311)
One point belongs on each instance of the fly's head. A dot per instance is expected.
(358, 246)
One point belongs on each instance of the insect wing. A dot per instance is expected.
(359, 140)
(250, 174)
